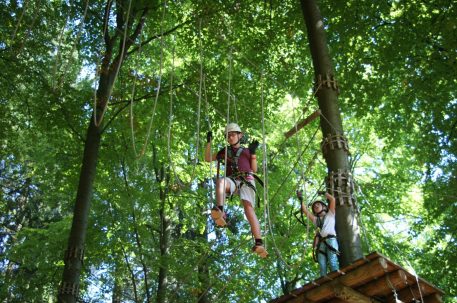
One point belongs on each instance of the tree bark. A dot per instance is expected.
(74, 255)
(75, 250)
(203, 270)
(164, 251)
(164, 236)
(339, 180)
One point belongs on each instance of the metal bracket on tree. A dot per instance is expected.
(332, 142)
(341, 185)
(74, 252)
(327, 81)
(69, 289)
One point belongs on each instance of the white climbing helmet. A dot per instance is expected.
(232, 127)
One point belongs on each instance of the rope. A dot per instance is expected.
(170, 115)
(203, 83)
(131, 105)
(265, 174)
(199, 100)
(295, 164)
(225, 132)
(143, 149)
(229, 93)
(236, 110)
(302, 175)
(264, 163)
(210, 147)
(329, 123)
(417, 282)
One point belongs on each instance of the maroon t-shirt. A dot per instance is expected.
(244, 161)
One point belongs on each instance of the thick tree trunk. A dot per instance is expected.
(164, 253)
(164, 241)
(75, 250)
(69, 288)
(203, 271)
(339, 180)
(118, 286)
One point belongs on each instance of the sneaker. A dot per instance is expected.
(260, 251)
(219, 217)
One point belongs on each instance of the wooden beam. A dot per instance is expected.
(374, 269)
(433, 298)
(408, 294)
(347, 294)
(302, 123)
(383, 286)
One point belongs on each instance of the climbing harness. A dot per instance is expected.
(238, 175)
(318, 239)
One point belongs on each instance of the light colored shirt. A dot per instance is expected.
(329, 225)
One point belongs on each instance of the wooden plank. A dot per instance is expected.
(325, 279)
(364, 274)
(433, 298)
(359, 276)
(302, 123)
(427, 287)
(409, 294)
(383, 286)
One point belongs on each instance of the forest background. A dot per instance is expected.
(171, 71)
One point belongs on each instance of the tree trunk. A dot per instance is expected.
(164, 254)
(334, 145)
(203, 271)
(69, 288)
(75, 250)
(164, 241)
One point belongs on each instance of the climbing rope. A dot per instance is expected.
(132, 129)
(170, 112)
(210, 147)
(264, 162)
(200, 86)
(159, 83)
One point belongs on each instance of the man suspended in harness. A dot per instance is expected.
(240, 180)
(325, 242)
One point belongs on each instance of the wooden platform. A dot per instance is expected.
(371, 279)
